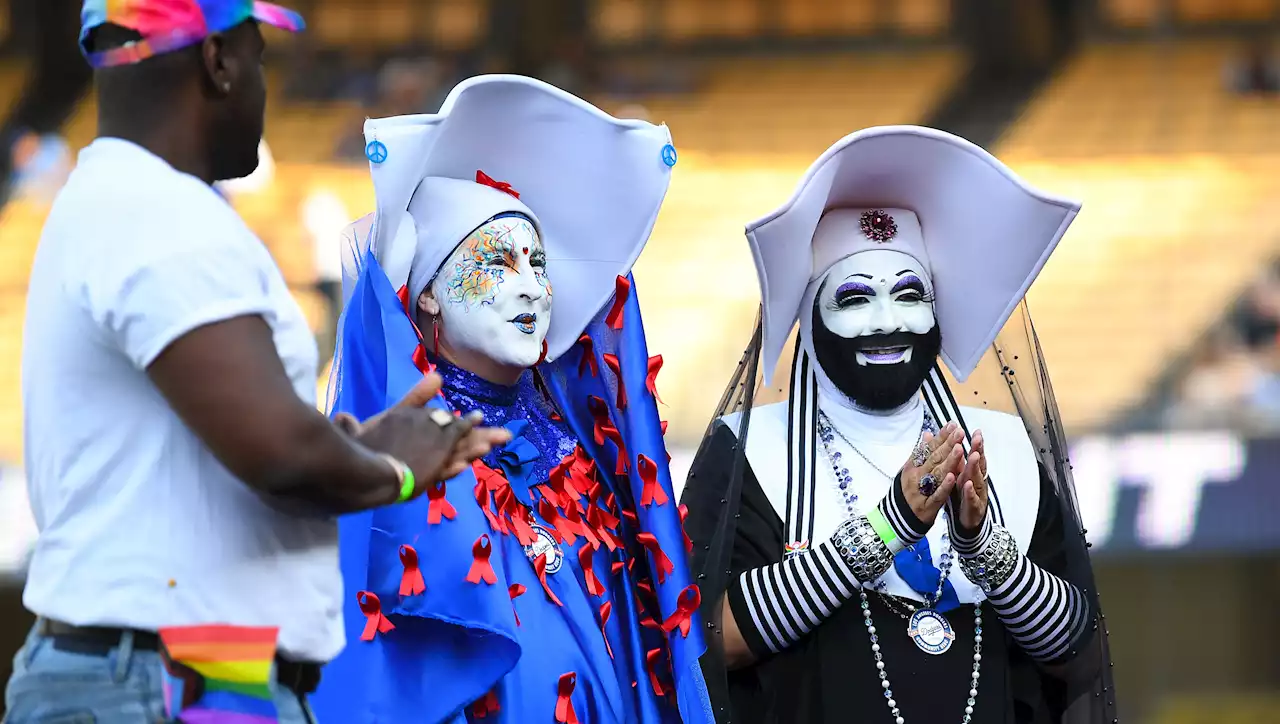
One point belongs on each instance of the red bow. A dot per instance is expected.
(482, 708)
(411, 583)
(564, 704)
(540, 567)
(606, 610)
(651, 380)
(594, 586)
(481, 569)
(622, 290)
(375, 622)
(515, 591)
(588, 356)
(664, 564)
(652, 491)
(615, 365)
(485, 180)
(439, 506)
(689, 601)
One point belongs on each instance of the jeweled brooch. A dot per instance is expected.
(878, 226)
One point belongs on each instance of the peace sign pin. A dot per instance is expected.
(669, 155)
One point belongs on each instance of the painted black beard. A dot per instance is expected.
(875, 387)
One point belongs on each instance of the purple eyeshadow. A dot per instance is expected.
(908, 281)
(855, 288)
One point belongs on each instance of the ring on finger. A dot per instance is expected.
(440, 417)
(921, 454)
(928, 485)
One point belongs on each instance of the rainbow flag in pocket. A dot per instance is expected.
(219, 674)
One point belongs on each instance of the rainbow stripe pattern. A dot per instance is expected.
(219, 674)
(169, 25)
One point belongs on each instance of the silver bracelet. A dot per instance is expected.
(862, 550)
(992, 566)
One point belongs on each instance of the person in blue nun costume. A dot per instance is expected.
(550, 583)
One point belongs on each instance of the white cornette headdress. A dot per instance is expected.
(576, 171)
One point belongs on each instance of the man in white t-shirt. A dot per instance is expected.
(179, 473)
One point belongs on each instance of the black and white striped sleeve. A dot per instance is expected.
(776, 605)
(1048, 616)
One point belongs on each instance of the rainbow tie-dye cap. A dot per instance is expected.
(169, 25)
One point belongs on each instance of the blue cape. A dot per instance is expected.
(459, 642)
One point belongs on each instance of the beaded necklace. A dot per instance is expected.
(827, 433)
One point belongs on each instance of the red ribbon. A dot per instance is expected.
(482, 708)
(594, 586)
(563, 529)
(549, 493)
(486, 506)
(616, 567)
(542, 357)
(684, 513)
(588, 356)
(481, 570)
(654, 660)
(515, 591)
(689, 601)
(622, 290)
(439, 506)
(663, 426)
(564, 702)
(419, 353)
(540, 567)
(599, 417)
(520, 517)
(646, 588)
(651, 380)
(664, 564)
(411, 583)
(572, 514)
(615, 365)
(652, 492)
(375, 622)
(606, 610)
(596, 519)
(485, 180)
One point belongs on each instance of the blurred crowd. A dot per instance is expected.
(1233, 376)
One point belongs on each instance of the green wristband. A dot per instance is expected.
(405, 474)
(883, 529)
(406, 488)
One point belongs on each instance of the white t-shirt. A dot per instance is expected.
(140, 526)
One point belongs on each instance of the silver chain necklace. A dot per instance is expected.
(922, 615)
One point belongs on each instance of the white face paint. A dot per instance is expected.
(877, 292)
(494, 295)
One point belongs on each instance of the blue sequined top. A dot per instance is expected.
(506, 404)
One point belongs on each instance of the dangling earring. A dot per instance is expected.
(435, 334)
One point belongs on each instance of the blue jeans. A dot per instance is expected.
(49, 686)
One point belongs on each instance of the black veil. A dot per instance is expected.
(1011, 378)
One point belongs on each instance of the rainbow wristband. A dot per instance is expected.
(884, 530)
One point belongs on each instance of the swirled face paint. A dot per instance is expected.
(494, 295)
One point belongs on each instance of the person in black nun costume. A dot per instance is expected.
(893, 535)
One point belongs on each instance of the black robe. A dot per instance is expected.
(829, 676)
